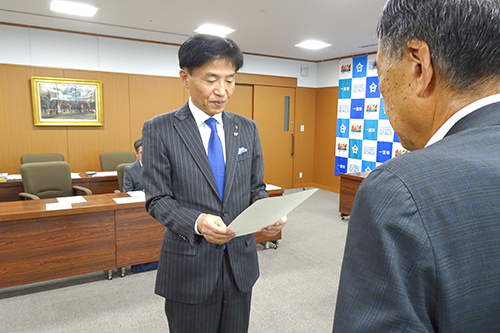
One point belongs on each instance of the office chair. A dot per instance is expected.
(43, 180)
(32, 158)
(110, 160)
(120, 170)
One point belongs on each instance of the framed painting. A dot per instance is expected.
(66, 102)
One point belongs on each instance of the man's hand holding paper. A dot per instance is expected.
(275, 228)
(214, 230)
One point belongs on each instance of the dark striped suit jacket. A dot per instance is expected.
(179, 186)
(132, 177)
(423, 244)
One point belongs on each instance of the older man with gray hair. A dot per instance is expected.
(423, 245)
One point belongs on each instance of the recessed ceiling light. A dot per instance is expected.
(313, 44)
(73, 8)
(213, 29)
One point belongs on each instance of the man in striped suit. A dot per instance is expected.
(205, 273)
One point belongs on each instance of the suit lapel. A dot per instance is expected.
(231, 131)
(190, 135)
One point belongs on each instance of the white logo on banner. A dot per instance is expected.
(342, 128)
(359, 67)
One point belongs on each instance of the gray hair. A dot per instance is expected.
(463, 36)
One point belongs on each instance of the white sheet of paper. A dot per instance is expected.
(137, 194)
(71, 200)
(57, 206)
(75, 175)
(270, 187)
(105, 174)
(129, 200)
(265, 212)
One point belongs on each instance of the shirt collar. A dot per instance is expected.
(199, 116)
(445, 128)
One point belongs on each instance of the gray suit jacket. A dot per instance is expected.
(180, 186)
(423, 244)
(132, 177)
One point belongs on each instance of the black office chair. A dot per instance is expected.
(33, 158)
(43, 180)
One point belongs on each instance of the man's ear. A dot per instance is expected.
(422, 68)
(184, 76)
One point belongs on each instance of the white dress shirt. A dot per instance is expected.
(200, 117)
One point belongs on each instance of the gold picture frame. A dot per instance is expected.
(66, 102)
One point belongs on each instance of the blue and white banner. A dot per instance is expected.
(365, 138)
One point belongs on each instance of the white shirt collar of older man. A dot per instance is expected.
(446, 127)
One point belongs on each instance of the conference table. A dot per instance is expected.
(37, 244)
(349, 184)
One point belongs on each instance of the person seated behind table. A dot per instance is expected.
(132, 177)
(132, 181)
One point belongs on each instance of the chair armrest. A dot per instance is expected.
(84, 189)
(29, 196)
(118, 191)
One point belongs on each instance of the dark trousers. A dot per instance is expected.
(227, 310)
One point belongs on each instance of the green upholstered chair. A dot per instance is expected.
(32, 158)
(43, 180)
(110, 160)
(120, 170)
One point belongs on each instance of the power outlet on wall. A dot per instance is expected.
(300, 174)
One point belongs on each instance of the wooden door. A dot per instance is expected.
(241, 102)
(274, 112)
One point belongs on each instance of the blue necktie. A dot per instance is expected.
(216, 157)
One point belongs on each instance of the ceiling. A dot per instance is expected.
(264, 27)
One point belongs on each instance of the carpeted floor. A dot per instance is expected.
(296, 291)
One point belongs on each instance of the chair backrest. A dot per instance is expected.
(120, 170)
(47, 179)
(33, 158)
(110, 160)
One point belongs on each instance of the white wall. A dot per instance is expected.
(328, 74)
(44, 48)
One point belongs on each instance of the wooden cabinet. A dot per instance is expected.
(349, 184)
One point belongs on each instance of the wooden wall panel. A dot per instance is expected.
(304, 141)
(241, 102)
(266, 80)
(18, 134)
(48, 139)
(151, 96)
(86, 143)
(325, 132)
